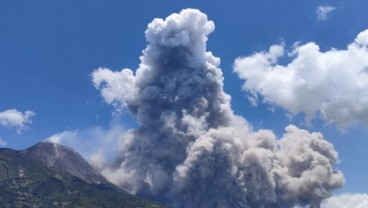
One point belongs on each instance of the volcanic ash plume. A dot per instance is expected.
(190, 150)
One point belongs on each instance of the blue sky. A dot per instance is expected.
(48, 50)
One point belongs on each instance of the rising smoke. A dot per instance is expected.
(190, 149)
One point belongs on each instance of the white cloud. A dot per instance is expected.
(65, 136)
(323, 12)
(346, 201)
(116, 87)
(332, 84)
(16, 119)
(2, 143)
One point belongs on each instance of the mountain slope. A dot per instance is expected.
(52, 175)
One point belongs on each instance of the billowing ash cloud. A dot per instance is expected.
(190, 149)
(332, 84)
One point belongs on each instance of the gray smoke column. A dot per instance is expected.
(190, 149)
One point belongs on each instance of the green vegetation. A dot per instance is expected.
(27, 182)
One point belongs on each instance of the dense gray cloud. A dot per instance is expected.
(332, 84)
(190, 149)
(17, 119)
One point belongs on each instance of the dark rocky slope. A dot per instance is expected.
(52, 175)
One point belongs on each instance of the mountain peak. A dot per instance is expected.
(49, 174)
(64, 161)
